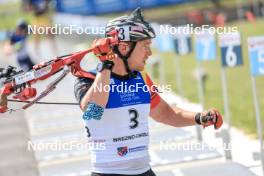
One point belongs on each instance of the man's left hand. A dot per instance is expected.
(210, 117)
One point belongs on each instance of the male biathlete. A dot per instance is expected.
(117, 121)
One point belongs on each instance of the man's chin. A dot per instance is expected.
(141, 68)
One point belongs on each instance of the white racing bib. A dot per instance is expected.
(122, 134)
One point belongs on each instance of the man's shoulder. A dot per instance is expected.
(82, 84)
(85, 79)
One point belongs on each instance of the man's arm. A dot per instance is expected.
(177, 117)
(96, 98)
(162, 112)
(12, 40)
(94, 94)
(8, 50)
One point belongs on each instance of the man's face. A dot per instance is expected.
(139, 56)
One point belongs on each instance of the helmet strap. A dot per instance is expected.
(125, 58)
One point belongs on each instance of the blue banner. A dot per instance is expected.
(81, 7)
(94, 7)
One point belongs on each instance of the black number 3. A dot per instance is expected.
(121, 34)
(134, 115)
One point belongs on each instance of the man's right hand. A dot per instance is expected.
(102, 48)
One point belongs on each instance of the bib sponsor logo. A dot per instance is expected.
(122, 151)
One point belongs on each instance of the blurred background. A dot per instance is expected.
(198, 81)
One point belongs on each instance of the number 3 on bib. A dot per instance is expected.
(133, 118)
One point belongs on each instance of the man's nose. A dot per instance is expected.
(149, 52)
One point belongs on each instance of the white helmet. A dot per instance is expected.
(131, 28)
